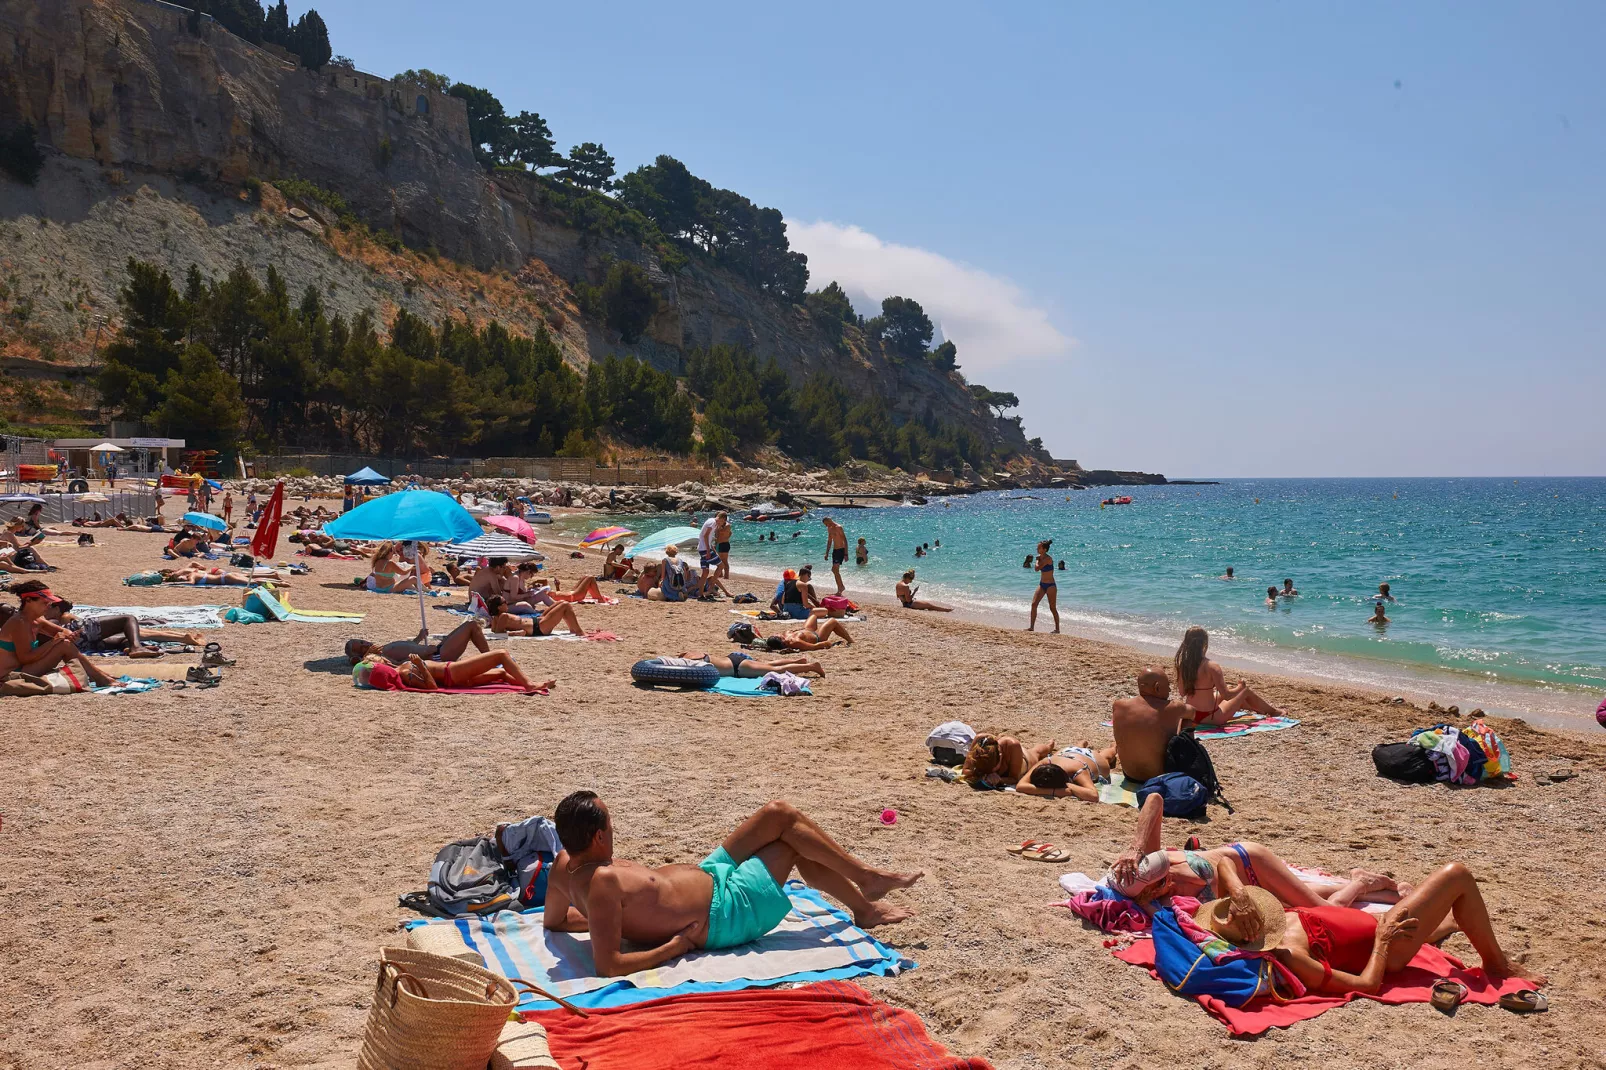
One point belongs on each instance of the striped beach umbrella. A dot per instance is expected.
(602, 535)
(495, 544)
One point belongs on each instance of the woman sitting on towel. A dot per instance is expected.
(1334, 950)
(416, 674)
(617, 567)
(27, 647)
(387, 574)
(505, 623)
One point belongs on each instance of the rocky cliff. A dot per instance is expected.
(157, 117)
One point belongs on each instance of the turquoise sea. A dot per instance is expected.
(1499, 581)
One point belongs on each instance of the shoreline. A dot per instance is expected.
(1514, 700)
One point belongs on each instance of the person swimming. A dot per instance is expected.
(1271, 597)
(1377, 616)
(1288, 590)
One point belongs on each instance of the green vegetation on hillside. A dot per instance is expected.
(307, 38)
(225, 360)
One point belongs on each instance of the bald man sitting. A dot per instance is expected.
(1145, 724)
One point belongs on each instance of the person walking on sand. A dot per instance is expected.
(707, 543)
(836, 549)
(734, 896)
(1203, 684)
(1045, 585)
(228, 508)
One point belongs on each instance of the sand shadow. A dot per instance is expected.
(336, 666)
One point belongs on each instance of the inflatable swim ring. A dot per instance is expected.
(674, 672)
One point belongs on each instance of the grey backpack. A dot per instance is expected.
(483, 874)
(469, 877)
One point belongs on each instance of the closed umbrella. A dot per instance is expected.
(655, 543)
(513, 526)
(410, 516)
(602, 535)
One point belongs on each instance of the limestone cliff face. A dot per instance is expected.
(146, 87)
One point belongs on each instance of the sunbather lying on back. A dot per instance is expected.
(448, 649)
(1147, 872)
(200, 576)
(545, 623)
(537, 593)
(114, 632)
(476, 670)
(747, 666)
(732, 897)
(1076, 771)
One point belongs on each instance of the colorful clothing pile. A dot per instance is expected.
(1464, 756)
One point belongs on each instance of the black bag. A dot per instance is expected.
(1405, 762)
(1185, 754)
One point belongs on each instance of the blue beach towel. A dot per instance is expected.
(731, 685)
(816, 942)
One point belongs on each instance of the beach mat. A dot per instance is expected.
(1243, 727)
(129, 685)
(827, 1024)
(742, 688)
(1414, 984)
(178, 618)
(816, 942)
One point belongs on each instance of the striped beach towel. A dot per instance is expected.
(816, 942)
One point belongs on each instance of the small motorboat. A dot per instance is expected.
(538, 518)
(1125, 499)
(767, 513)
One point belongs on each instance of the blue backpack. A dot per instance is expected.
(1188, 971)
(1182, 795)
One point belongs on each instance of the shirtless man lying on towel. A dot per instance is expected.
(732, 897)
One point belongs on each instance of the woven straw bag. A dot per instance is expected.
(431, 1012)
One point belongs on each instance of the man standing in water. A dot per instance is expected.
(836, 549)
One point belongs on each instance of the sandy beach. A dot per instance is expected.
(202, 878)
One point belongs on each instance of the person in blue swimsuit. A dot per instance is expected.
(1045, 586)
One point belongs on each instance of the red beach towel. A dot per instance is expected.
(829, 1024)
(1414, 984)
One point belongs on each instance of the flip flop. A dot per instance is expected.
(1026, 845)
(1447, 995)
(1560, 773)
(1046, 852)
(1525, 1001)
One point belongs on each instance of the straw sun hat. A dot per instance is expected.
(1216, 916)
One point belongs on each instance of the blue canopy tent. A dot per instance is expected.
(407, 516)
(366, 478)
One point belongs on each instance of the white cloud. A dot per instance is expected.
(988, 317)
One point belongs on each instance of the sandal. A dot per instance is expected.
(212, 656)
(1025, 845)
(1046, 852)
(1525, 1001)
(1447, 995)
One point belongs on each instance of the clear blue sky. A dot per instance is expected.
(1246, 239)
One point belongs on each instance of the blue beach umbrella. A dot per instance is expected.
(407, 516)
(656, 542)
(205, 520)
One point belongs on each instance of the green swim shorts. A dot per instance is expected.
(747, 902)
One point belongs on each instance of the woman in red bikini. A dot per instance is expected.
(1204, 685)
(1335, 949)
(416, 674)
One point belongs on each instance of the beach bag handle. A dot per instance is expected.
(518, 982)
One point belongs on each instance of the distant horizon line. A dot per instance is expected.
(1174, 479)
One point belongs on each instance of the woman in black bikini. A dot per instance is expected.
(906, 595)
(1045, 585)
